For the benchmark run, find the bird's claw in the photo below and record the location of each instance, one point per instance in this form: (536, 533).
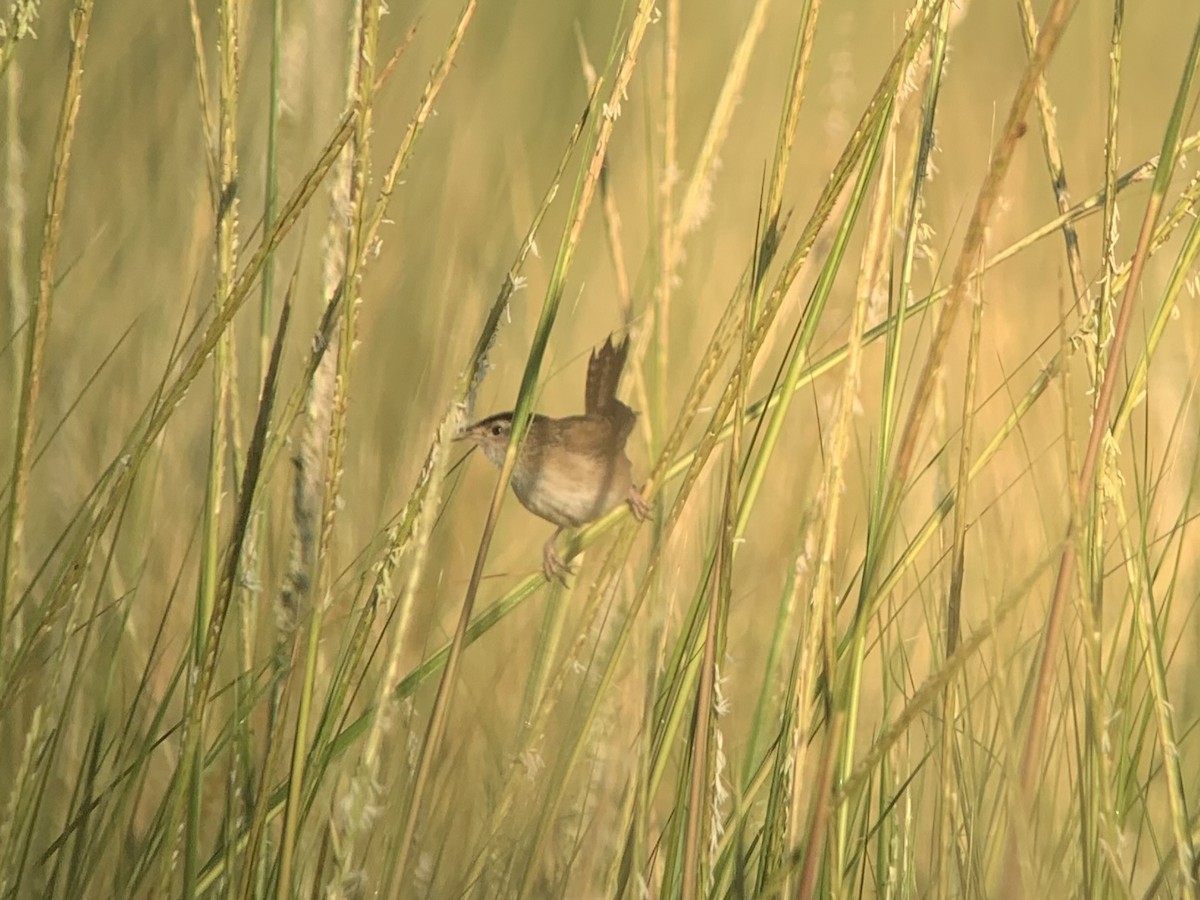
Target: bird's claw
(553, 566)
(638, 505)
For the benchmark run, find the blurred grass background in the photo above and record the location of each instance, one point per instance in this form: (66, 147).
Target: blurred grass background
(136, 260)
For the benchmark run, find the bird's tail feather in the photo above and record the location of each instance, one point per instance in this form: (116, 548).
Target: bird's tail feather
(603, 376)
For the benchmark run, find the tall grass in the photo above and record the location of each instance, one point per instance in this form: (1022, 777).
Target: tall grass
(913, 616)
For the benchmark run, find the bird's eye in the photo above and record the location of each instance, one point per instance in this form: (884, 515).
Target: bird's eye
(497, 430)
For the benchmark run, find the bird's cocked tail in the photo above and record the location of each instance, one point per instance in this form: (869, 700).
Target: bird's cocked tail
(603, 376)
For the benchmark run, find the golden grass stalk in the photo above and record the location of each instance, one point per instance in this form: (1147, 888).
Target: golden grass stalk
(39, 313)
(1100, 432)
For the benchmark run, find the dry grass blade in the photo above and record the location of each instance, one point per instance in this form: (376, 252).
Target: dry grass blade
(31, 380)
(1100, 427)
(970, 257)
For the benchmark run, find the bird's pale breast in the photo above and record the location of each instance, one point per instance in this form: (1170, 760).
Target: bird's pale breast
(574, 488)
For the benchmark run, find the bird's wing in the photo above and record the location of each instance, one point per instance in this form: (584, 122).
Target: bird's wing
(590, 434)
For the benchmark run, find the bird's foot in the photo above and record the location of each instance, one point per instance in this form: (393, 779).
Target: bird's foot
(638, 505)
(553, 566)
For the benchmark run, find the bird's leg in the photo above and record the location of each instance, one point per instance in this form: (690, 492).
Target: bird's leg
(637, 504)
(552, 564)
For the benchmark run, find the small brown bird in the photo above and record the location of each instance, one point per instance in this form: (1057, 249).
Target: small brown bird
(573, 470)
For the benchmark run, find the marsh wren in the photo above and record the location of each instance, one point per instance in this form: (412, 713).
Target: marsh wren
(573, 470)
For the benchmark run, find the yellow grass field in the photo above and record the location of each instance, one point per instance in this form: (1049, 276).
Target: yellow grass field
(911, 289)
